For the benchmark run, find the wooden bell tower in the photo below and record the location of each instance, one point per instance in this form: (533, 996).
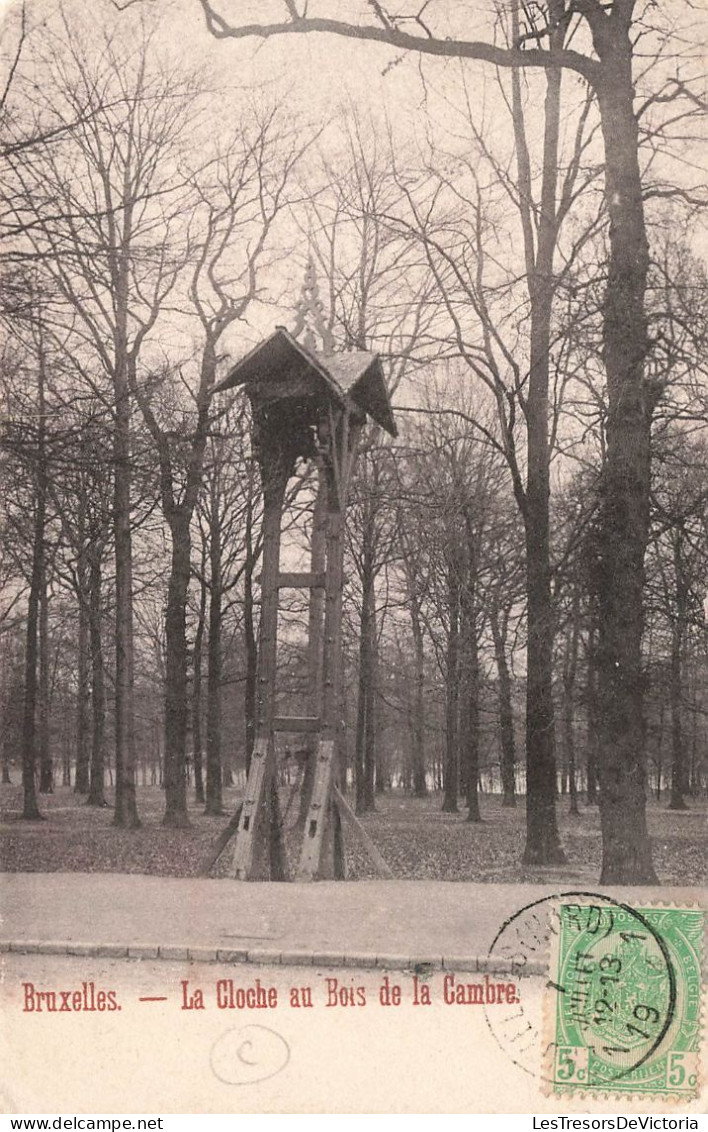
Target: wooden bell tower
(309, 405)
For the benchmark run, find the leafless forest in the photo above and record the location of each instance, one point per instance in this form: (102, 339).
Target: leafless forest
(507, 203)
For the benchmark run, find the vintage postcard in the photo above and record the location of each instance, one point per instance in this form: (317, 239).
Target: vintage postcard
(353, 559)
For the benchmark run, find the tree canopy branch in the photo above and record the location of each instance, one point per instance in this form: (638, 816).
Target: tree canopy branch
(393, 36)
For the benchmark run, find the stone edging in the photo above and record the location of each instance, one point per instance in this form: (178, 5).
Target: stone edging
(262, 956)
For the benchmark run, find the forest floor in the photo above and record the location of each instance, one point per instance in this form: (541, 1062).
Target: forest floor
(417, 840)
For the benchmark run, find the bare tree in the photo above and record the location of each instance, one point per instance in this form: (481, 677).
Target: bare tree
(111, 255)
(410, 527)
(83, 505)
(228, 514)
(237, 201)
(371, 533)
(38, 582)
(678, 570)
(452, 484)
(605, 60)
(376, 296)
(26, 439)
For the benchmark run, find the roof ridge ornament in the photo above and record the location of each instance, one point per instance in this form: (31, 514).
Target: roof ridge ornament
(309, 310)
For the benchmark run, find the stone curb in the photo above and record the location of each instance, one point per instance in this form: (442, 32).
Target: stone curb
(421, 965)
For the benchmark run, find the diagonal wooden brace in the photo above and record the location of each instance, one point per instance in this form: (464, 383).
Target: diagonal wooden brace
(346, 812)
(319, 814)
(252, 859)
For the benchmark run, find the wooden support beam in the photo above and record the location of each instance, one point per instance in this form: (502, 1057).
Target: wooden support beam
(333, 863)
(224, 837)
(287, 421)
(348, 815)
(276, 850)
(317, 813)
(252, 851)
(297, 723)
(301, 580)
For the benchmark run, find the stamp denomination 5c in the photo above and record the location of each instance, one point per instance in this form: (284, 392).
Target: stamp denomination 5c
(625, 1000)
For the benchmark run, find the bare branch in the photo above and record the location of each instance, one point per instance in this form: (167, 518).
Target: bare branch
(18, 52)
(393, 36)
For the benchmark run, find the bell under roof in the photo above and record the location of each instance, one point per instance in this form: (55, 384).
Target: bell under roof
(356, 374)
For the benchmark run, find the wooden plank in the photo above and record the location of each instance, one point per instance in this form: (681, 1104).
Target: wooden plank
(317, 814)
(251, 855)
(218, 848)
(276, 478)
(276, 848)
(315, 623)
(349, 816)
(301, 579)
(333, 865)
(298, 723)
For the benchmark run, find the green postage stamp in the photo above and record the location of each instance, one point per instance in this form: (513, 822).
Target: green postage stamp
(626, 1000)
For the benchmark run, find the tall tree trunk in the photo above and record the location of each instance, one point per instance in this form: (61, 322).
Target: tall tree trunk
(214, 801)
(471, 717)
(197, 746)
(46, 767)
(694, 769)
(678, 754)
(83, 704)
(366, 727)
(570, 749)
(506, 711)
(452, 757)
(83, 696)
(360, 737)
(419, 783)
(542, 840)
(626, 476)
(677, 747)
(178, 505)
(660, 751)
(251, 649)
(30, 810)
(591, 796)
(315, 650)
(126, 808)
(4, 745)
(96, 795)
(4, 737)
(569, 673)
(176, 705)
(417, 718)
(374, 763)
(66, 756)
(678, 630)
(249, 628)
(470, 674)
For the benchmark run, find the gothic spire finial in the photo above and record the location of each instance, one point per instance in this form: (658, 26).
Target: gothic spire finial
(309, 310)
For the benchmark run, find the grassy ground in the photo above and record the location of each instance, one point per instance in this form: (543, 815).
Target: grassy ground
(418, 841)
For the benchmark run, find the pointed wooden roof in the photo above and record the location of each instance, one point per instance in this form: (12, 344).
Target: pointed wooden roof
(357, 375)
